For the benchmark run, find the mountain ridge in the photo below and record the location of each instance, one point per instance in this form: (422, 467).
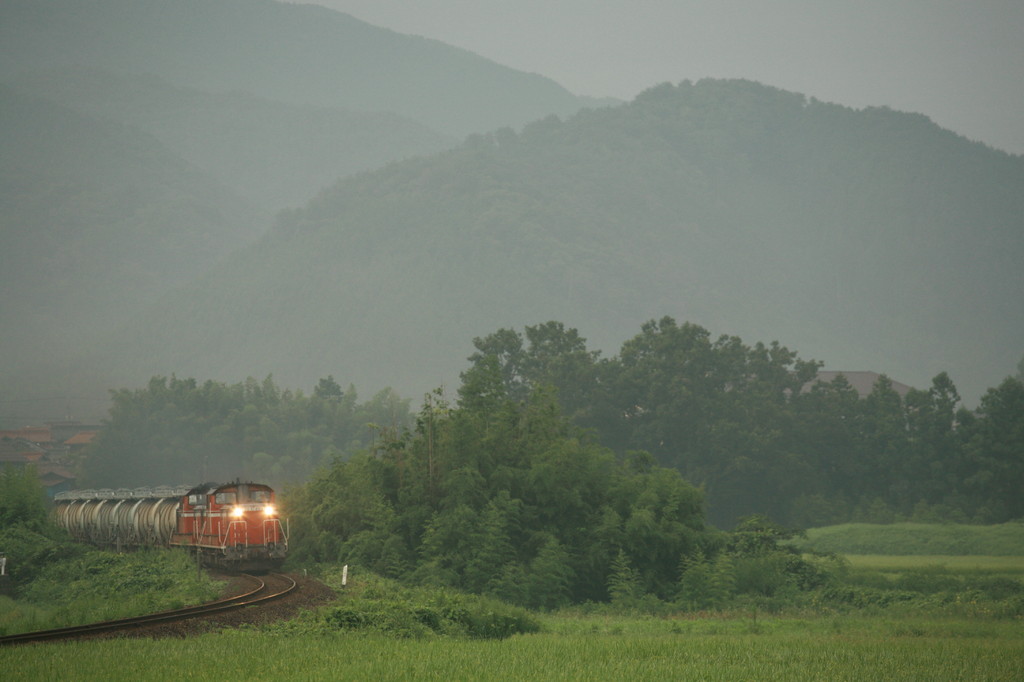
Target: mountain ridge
(740, 207)
(303, 54)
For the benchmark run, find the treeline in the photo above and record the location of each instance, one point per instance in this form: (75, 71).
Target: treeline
(178, 431)
(559, 477)
(505, 497)
(748, 425)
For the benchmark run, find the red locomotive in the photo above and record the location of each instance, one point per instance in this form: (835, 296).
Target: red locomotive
(234, 525)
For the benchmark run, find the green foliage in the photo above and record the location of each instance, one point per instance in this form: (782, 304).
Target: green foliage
(28, 538)
(22, 501)
(29, 551)
(217, 431)
(70, 585)
(97, 577)
(623, 582)
(370, 604)
(750, 427)
(752, 563)
(706, 584)
(502, 497)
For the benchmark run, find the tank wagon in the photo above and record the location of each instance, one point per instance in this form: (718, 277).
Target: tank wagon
(233, 525)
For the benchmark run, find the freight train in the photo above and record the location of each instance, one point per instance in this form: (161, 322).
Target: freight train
(233, 525)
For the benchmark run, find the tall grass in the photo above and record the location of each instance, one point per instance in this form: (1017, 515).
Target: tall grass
(917, 539)
(858, 652)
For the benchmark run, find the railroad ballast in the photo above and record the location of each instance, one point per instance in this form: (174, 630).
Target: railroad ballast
(234, 525)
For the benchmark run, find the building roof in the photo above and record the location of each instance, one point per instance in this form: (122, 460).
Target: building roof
(862, 382)
(81, 438)
(18, 451)
(54, 475)
(36, 434)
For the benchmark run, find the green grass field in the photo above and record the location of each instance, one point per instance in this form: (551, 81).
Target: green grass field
(1005, 539)
(1001, 565)
(695, 649)
(907, 616)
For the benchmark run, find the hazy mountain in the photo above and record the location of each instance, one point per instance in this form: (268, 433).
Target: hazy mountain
(98, 220)
(182, 126)
(870, 239)
(300, 54)
(275, 155)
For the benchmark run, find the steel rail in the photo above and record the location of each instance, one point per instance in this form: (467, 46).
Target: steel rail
(227, 604)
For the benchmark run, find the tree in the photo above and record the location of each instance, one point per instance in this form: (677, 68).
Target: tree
(995, 452)
(22, 501)
(932, 467)
(623, 581)
(502, 496)
(176, 430)
(505, 346)
(328, 388)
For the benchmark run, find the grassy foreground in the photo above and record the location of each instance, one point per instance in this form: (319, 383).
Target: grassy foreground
(917, 617)
(573, 649)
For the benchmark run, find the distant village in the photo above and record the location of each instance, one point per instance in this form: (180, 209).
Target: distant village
(50, 448)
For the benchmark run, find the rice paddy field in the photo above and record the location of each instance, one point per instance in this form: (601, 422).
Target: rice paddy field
(569, 649)
(913, 616)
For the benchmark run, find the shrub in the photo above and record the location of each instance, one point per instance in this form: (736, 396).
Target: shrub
(375, 604)
(30, 551)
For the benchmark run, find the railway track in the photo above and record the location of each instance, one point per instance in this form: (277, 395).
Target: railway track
(261, 593)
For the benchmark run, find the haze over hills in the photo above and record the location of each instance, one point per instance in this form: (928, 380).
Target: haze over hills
(267, 102)
(274, 154)
(301, 54)
(117, 188)
(869, 239)
(144, 140)
(98, 219)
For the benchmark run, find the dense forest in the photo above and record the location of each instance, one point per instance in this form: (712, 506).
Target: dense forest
(178, 431)
(556, 476)
(747, 424)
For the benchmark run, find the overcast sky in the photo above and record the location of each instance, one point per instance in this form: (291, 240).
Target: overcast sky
(959, 62)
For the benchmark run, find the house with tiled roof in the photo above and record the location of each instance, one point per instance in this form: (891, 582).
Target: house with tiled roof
(51, 468)
(69, 428)
(40, 435)
(55, 479)
(80, 440)
(862, 382)
(19, 452)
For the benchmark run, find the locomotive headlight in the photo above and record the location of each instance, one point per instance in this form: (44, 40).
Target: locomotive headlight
(237, 512)
(269, 510)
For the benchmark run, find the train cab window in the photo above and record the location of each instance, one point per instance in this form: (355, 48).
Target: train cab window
(259, 495)
(224, 498)
(197, 500)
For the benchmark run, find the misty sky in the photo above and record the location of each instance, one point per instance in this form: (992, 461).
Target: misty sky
(959, 62)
